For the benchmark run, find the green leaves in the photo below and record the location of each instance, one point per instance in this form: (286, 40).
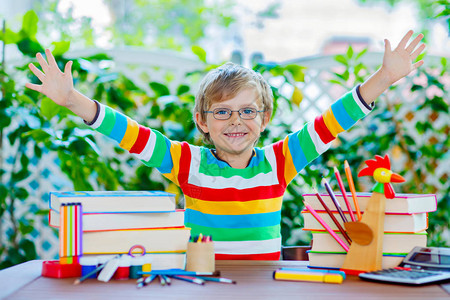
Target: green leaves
(30, 24)
(200, 52)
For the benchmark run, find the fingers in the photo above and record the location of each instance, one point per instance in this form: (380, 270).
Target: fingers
(405, 39)
(42, 62)
(387, 46)
(68, 68)
(417, 64)
(37, 72)
(414, 43)
(51, 59)
(35, 87)
(416, 53)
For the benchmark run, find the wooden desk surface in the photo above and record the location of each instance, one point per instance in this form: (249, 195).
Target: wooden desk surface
(254, 281)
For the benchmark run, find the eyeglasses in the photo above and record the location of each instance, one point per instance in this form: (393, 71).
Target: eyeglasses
(246, 113)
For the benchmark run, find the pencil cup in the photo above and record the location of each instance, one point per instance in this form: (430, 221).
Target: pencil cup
(200, 257)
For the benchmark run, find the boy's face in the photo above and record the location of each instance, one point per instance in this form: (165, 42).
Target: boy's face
(235, 137)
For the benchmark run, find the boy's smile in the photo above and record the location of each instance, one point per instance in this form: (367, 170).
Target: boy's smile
(235, 137)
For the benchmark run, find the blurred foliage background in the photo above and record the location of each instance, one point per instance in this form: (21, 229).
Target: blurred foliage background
(36, 125)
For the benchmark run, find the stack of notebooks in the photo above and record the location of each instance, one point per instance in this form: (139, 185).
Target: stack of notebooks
(114, 221)
(405, 225)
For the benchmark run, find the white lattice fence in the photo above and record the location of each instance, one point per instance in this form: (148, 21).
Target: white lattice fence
(142, 67)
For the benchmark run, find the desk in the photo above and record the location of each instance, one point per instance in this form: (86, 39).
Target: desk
(254, 281)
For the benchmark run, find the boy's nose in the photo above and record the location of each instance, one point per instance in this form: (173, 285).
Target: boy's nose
(235, 117)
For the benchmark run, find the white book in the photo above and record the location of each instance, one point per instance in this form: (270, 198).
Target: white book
(115, 221)
(116, 201)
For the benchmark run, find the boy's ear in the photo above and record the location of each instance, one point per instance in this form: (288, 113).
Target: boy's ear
(266, 120)
(200, 122)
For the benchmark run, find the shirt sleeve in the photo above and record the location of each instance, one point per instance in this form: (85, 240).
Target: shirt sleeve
(149, 145)
(303, 146)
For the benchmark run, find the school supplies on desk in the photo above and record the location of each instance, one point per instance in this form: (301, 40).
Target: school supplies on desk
(404, 219)
(116, 201)
(308, 275)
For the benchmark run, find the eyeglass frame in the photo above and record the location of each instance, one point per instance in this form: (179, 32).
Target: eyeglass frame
(231, 112)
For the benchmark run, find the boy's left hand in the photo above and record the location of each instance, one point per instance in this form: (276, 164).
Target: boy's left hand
(399, 62)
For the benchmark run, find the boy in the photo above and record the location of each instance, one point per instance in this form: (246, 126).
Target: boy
(233, 192)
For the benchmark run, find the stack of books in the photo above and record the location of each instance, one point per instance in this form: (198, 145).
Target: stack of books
(115, 221)
(405, 225)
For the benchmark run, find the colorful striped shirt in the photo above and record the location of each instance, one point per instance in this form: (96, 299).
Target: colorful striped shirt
(239, 208)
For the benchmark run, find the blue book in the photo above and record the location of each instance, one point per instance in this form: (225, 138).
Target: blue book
(116, 201)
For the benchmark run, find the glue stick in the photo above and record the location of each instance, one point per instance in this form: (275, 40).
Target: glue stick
(136, 266)
(123, 271)
(88, 264)
(147, 266)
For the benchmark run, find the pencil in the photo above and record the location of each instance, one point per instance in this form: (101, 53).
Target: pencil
(333, 198)
(167, 279)
(189, 279)
(351, 185)
(215, 279)
(325, 225)
(344, 193)
(333, 218)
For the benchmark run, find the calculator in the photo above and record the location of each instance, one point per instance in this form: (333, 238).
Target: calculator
(421, 266)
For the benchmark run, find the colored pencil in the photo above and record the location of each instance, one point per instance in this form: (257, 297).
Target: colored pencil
(143, 281)
(162, 281)
(351, 184)
(171, 272)
(344, 193)
(167, 279)
(325, 225)
(333, 198)
(215, 279)
(335, 221)
(188, 279)
(62, 239)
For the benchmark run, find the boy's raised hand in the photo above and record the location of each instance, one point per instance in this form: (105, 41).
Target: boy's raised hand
(399, 62)
(56, 85)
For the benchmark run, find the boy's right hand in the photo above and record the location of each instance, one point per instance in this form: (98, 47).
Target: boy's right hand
(56, 85)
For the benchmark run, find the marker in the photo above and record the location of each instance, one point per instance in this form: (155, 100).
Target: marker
(342, 273)
(308, 276)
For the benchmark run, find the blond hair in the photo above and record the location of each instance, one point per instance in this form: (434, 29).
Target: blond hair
(224, 83)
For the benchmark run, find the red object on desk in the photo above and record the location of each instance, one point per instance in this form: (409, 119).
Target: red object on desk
(53, 269)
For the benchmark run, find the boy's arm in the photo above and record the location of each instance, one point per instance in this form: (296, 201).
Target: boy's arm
(58, 86)
(397, 64)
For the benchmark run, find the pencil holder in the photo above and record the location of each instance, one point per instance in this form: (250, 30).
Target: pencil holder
(200, 257)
